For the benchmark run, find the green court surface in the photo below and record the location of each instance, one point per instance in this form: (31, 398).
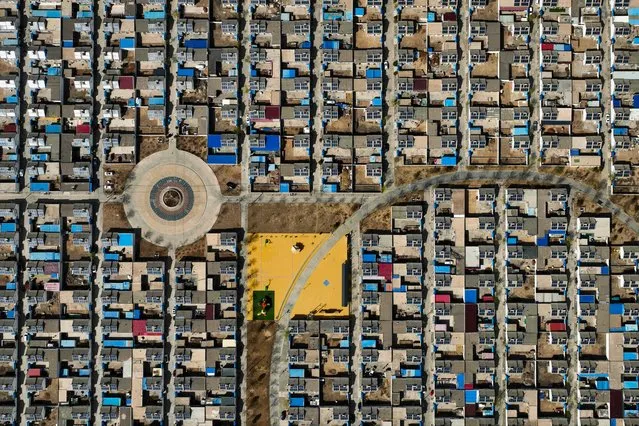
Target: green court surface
(263, 305)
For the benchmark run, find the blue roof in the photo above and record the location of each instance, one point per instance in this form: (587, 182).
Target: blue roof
(470, 295)
(127, 43)
(329, 187)
(449, 160)
(442, 269)
(8, 227)
(126, 239)
(154, 14)
(373, 73)
(330, 44)
(369, 257)
(520, 130)
(196, 43)
(222, 159)
(272, 143)
(214, 141)
(296, 372)
(289, 73)
(186, 72)
(297, 401)
(39, 186)
(587, 298)
(616, 309)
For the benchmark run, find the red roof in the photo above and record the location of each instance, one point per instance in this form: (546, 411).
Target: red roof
(272, 112)
(139, 328)
(210, 312)
(420, 84)
(126, 82)
(471, 318)
(11, 127)
(471, 410)
(386, 271)
(83, 128)
(547, 46)
(34, 372)
(450, 16)
(556, 326)
(442, 298)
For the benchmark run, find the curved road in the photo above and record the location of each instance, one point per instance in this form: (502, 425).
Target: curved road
(530, 177)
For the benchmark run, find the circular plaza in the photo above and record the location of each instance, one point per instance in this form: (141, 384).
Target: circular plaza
(174, 198)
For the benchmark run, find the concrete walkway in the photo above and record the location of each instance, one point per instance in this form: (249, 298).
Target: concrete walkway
(207, 199)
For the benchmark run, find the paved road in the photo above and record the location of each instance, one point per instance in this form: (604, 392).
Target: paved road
(172, 45)
(22, 365)
(429, 303)
(606, 93)
(243, 320)
(573, 322)
(317, 79)
(23, 315)
(170, 343)
(279, 356)
(500, 300)
(244, 82)
(536, 85)
(390, 95)
(463, 79)
(356, 323)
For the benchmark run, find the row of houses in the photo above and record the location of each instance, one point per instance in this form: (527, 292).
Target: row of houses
(207, 333)
(10, 247)
(58, 121)
(427, 83)
(133, 86)
(572, 56)
(625, 95)
(279, 122)
(132, 358)
(57, 331)
(10, 94)
(500, 67)
(207, 77)
(351, 78)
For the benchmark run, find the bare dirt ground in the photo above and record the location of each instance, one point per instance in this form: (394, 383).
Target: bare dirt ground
(408, 174)
(196, 145)
(148, 250)
(630, 203)
(113, 217)
(196, 250)
(226, 175)
(229, 217)
(620, 233)
(151, 144)
(119, 178)
(380, 220)
(284, 218)
(589, 175)
(260, 346)
(588, 206)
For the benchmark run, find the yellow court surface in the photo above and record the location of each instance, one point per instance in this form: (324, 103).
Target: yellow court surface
(275, 260)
